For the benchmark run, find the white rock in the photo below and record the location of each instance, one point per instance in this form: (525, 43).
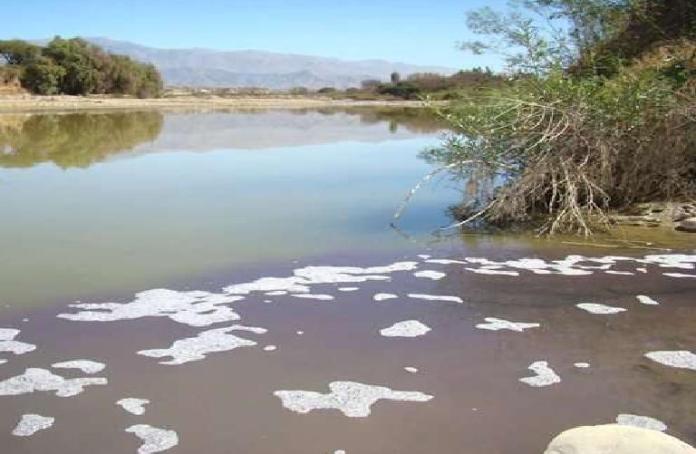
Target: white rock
(644, 422)
(407, 328)
(133, 405)
(616, 439)
(446, 298)
(600, 309)
(30, 424)
(85, 365)
(681, 359)
(34, 379)
(351, 398)
(154, 439)
(545, 376)
(430, 274)
(384, 296)
(495, 324)
(196, 348)
(642, 299)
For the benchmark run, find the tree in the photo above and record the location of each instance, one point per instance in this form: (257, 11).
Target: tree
(395, 77)
(17, 52)
(43, 77)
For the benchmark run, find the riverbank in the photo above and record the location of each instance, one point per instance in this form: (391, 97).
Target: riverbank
(34, 103)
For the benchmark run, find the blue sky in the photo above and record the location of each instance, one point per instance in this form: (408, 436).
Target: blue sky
(412, 31)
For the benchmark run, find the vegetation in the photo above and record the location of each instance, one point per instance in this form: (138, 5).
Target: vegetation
(600, 113)
(75, 67)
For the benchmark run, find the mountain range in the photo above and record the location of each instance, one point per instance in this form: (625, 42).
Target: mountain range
(198, 67)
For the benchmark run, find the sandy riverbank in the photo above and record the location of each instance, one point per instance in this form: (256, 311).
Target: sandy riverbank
(32, 103)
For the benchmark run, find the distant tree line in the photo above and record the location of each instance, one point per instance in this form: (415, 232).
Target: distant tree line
(420, 84)
(76, 67)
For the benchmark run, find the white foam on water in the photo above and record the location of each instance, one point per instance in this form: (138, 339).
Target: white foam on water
(312, 296)
(619, 273)
(424, 256)
(430, 274)
(681, 359)
(276, 293)
(384, 296)
(35, 379)
(491, 271)
(194, 308)
(599, 309)
(197, 348)
(411, 369)
(496, 324)
(353, 399)
(581, 365)
(642, 270)
(31, 423)
(154, 439)
(447, 262)
(348, 289)
(270, 348)
(545, 376)
(299, 333)
(133, 405)
(269, 285)
(445, 298)
(8, 344)
(407, 328)
(339, 451)
(85, 365)
(3, 361)
(679, 275)
(643, 299)
(643, 422)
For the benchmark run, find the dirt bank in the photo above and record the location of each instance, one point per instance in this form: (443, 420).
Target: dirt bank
(33, 103)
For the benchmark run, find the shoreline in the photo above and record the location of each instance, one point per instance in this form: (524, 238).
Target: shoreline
(65, 103)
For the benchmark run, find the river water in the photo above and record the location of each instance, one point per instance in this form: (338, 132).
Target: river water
(238, 271)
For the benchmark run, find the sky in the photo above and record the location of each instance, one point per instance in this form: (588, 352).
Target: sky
(411, 31)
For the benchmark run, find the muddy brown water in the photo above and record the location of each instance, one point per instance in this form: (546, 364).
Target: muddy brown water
(225, 403)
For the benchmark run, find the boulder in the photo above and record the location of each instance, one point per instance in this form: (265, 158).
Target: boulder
(616, 439)
(687, 225)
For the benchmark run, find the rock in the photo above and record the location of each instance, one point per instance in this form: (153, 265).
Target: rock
(616, 439)
(687, 225)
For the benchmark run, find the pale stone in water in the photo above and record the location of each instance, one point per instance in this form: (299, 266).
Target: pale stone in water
(35, 379)
(384, 296)
(642, 299)
(196, 348)
(616, 439)
(681, 359)
(495, 324)
(8, 344)
(154, 439)
(644, 422)
(446, 298)
(600, 309)
(133, 405)
(30, 424)
(407, 328)
(85, 365)
(351, 398)
(430, 274)
(545, 376)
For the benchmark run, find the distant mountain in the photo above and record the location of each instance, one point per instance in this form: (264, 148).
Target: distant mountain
(252, 68)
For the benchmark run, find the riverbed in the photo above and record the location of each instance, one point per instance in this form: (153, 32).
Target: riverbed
(234, 277)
